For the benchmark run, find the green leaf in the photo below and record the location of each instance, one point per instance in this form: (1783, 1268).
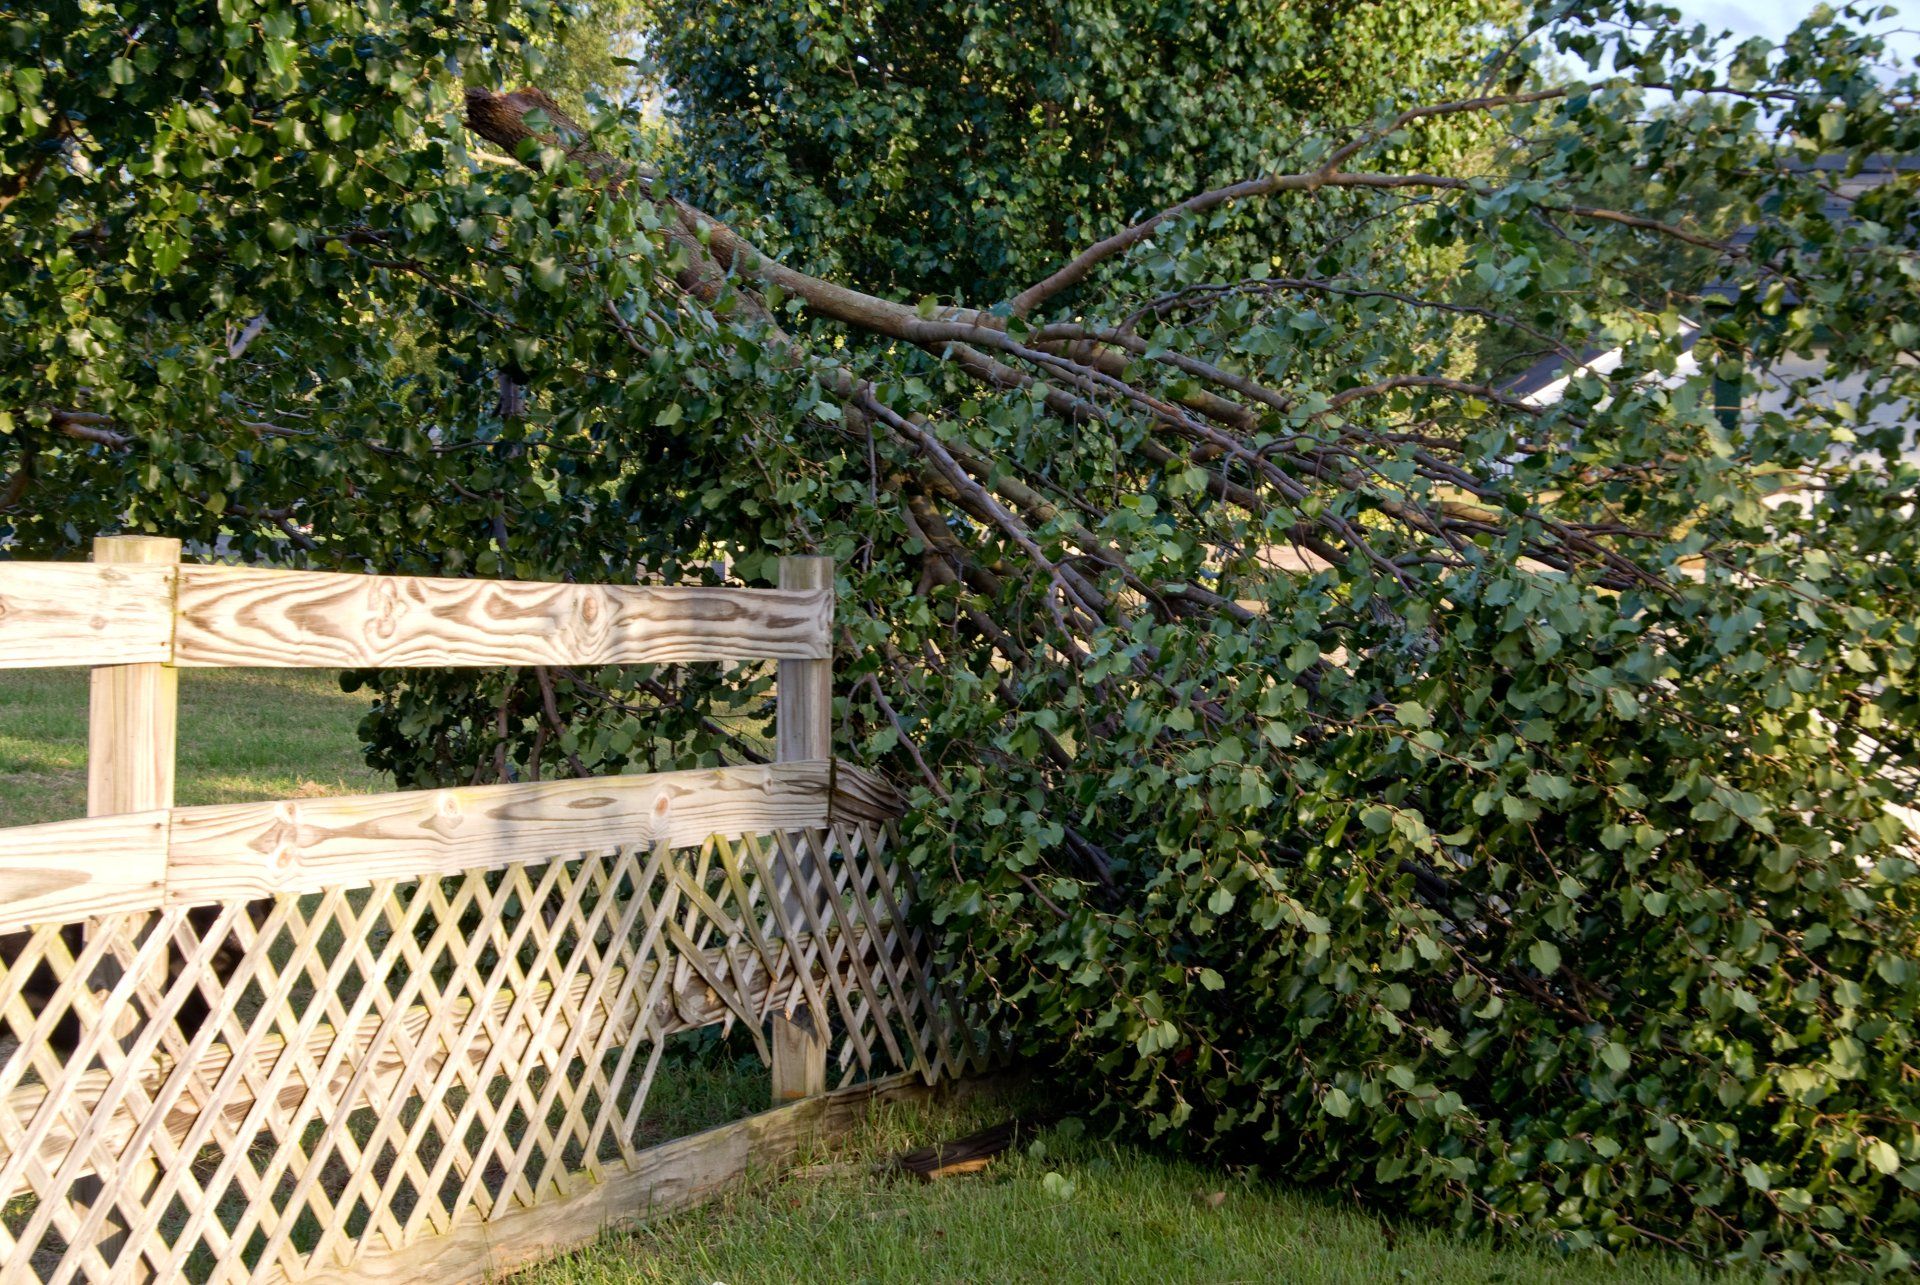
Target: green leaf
(1549, 786)
(1544, 955)
(549, 275)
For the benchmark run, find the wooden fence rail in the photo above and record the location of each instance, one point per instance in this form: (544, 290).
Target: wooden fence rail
(200, 855)
(201, 617)
(414, 1034)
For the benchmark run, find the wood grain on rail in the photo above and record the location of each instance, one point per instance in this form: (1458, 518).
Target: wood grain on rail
(246, 616)
(260, 849)
(77, 613)
(860, 795)
(66, 871)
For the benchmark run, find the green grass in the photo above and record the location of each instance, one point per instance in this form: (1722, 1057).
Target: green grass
(244, 735)
(1114, 1214)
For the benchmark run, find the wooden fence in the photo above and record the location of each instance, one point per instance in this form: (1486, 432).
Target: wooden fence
(413, 1034)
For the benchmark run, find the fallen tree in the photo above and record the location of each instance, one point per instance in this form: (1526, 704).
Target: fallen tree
(1339, 761)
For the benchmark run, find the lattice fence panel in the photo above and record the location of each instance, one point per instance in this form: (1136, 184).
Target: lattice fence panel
(271, 1089)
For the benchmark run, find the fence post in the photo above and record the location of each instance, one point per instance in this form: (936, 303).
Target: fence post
(803, 729)
(133, 711)
(132, 719)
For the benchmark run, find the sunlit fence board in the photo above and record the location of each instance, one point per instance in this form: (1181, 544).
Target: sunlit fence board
(257, 617)
(58, 614)
(75, 613)
(68, 870)
(258, 849)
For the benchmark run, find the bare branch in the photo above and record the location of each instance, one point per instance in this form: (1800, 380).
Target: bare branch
(89, 427)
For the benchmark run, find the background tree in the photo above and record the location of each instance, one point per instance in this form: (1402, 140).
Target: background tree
(1329, 760)
(956, 148)
(596, 54)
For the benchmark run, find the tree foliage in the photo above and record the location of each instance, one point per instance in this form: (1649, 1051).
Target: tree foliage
(1326, 757)
(955, 148)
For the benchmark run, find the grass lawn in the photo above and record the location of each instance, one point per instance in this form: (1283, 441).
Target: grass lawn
(1112, 1213)
(244, 735)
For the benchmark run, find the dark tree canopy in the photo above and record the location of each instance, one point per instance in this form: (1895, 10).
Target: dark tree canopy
(1497, 807)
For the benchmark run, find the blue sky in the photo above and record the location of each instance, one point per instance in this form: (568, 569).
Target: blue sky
(1775, 18)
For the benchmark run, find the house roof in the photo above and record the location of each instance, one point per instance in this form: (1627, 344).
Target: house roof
(1847, 185)
(1544, 382)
